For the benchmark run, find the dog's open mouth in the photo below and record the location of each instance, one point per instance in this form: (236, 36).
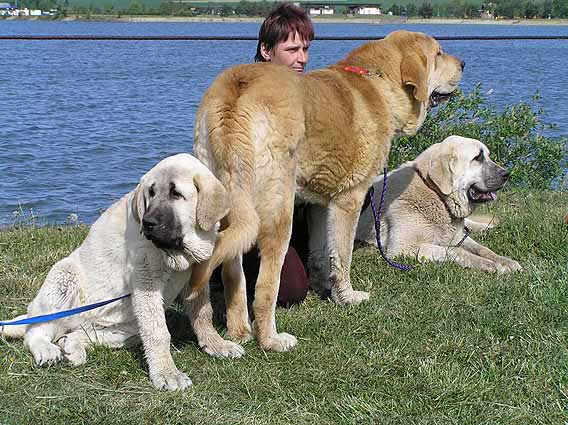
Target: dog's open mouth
(480, 196)
(437, 98)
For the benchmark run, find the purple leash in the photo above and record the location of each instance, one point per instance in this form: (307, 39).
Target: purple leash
(377, 215)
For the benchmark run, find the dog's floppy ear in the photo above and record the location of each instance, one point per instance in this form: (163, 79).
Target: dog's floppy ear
(414, 72)
(440, 172)
(138, 203)
(212, 200)
(442, 166)
(434, 164)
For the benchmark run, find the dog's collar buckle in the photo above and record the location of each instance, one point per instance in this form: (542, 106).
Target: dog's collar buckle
(362, 71)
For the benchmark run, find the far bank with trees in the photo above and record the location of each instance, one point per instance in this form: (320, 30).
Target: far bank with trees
(461, 9)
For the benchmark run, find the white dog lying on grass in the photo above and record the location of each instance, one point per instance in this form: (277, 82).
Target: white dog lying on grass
(428, 202)
(145, 245)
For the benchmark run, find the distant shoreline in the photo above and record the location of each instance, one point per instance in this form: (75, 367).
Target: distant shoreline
(378, 20)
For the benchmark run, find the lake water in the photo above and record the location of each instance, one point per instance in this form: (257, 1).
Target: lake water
(81, 121)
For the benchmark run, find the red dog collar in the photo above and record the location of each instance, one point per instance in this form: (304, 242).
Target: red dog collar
(361, 71)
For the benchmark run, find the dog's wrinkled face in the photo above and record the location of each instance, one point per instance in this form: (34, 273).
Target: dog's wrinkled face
(169, 204)
(430, 74)
(462, 172)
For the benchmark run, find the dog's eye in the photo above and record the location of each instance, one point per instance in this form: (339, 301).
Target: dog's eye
(151, 192)
(479, 157)
(175, 194)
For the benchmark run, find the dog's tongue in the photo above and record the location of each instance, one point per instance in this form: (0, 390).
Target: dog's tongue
(488, 196)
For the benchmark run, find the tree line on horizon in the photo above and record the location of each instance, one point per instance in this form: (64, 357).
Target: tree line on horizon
(500, 9)
(509, 9)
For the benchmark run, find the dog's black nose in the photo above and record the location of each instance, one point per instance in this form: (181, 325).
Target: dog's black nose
(462, 64)
(149, 224)
(506, 174)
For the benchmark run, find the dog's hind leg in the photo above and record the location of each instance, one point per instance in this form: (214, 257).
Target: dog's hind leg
(16, 331)
(60, 291)
(74, 345)
(238, 324)
(274, 236)
(342, 224)
(197, 306)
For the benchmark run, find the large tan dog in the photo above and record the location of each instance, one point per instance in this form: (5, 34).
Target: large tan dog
(428, 202)
(268, 133)
(145, 244)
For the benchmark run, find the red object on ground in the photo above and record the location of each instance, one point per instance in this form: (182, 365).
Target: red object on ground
(293, 280)
(293, 277)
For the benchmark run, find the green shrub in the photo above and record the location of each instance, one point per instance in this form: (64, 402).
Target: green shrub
(515, 137)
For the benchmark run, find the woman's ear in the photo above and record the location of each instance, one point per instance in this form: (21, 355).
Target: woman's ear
(265, 52)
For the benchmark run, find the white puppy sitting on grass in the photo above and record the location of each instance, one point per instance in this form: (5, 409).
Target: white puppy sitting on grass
(145, 244)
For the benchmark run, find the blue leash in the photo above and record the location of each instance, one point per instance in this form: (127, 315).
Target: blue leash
(61, 314)
(377, 215)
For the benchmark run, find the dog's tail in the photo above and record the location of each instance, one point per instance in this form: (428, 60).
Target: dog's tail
(241, 232)
(14, 332)
(226, 127)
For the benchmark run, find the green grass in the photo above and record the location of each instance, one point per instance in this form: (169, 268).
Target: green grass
(434, 345)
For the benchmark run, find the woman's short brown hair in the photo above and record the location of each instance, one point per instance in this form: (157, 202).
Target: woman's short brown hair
(284, 19)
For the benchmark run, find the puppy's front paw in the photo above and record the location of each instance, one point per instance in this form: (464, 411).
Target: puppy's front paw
(73, 351)
(46, 354)
(170, 380)
(76, 357)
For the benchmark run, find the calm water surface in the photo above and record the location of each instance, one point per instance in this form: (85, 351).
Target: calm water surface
(83, 120)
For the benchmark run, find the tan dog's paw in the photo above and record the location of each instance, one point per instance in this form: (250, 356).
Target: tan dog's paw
(241, 335)
(224, 348)
(505, 265)
(511, 265)
(349, 297)
(279, 342)
(495, 267)
(170, 380)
